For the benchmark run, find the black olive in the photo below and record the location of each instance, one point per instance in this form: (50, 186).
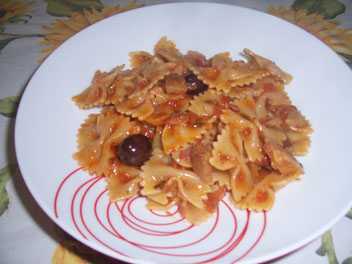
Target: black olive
(134, 150)
(194, 85)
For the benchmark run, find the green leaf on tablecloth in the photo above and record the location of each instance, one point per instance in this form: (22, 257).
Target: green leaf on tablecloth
(4, 201)
(66, 7)
(95, 4)
(327, 248)
(8, 106)
(57, 8)
(304, 4)
(349, 214)
(4, 42)
(327, 8)
(5, 174)
(20, 19)
(347, 261)
(331, 9)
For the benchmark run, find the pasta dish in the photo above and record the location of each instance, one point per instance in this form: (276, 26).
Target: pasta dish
(183, 129)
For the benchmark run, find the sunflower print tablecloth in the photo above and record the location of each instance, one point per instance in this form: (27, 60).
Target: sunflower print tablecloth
(31, 30)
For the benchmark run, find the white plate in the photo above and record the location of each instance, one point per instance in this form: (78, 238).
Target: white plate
(47, 124)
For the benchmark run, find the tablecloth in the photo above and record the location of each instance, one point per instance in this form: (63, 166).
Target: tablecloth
(30, 30)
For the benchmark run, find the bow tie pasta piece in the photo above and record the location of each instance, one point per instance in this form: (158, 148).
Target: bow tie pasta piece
(212, 103)
(152, 180)
(268, 65)
(196, 59)
(221, 73)
(153, 106)
(274, 109)
(164, 111)
(192, 189)
(183, 129)
(282, 123)
(196, 156)
(175, 84)
(259, 199)
(282, 160)
(196, 215)
(294, 120)
(138, 58)
(200, 155)
(136, 107)
(114, 86)
(97, 139)
(125, 85)
(221, 178)
(154, 174)
(154, 71)
(182, 156)
(159, 198)
(274, 135)
(246, 106)
(205, 104)
(269, 83)
(160, 202)
(98, 93)
(241, 181)
(193, 214)
(159, 178)
(298, 143)
(247, 93)
(262, 196)
(123, 184)
(259, 171)
(225, 154)
(248, 132)
(241, 92)
(221, 61)
(89, 148)
(241, 73)
(139, 80)
(294, 142)
(166, 49)
(267, 108)
(214, 197)
(204, 71)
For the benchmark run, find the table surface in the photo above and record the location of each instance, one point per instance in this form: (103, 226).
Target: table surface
(27, 234)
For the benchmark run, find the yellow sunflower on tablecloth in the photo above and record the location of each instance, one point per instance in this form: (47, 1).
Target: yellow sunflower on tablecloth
(70, 251)
(329, 31)
(61, 29)
(63, 255)
(11, 9)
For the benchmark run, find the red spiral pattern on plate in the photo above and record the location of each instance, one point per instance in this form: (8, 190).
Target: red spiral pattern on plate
(169, 224)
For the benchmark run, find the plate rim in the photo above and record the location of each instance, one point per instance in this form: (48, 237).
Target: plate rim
(291, 248)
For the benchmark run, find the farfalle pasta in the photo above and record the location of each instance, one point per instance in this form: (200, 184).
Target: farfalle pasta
(222, 73)
(184, 130)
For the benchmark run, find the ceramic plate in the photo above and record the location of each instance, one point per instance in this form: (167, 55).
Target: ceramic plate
(47, 124)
